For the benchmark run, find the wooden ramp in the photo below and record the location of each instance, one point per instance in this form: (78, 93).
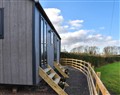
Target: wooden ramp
(61, 69)
(53, 79)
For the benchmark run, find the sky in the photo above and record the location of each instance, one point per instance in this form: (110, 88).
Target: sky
(85, 22)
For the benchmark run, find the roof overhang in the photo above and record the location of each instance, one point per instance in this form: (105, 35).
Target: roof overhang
(38, 5)
(36, 0)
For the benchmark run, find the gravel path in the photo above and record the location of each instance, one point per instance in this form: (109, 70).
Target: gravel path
(78, 83)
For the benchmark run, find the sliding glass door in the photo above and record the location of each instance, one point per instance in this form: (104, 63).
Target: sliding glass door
(43, 41)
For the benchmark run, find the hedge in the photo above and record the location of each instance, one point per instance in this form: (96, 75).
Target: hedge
(95, 60)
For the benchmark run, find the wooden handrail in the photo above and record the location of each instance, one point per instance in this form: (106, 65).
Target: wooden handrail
(92, 78)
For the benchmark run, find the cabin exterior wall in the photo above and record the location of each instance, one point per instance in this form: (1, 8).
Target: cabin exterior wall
(16, 46)
(21, 48)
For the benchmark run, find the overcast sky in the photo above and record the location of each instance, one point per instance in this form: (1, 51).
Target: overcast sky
(85, 22)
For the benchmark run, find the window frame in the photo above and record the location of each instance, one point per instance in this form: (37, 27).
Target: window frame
(2, 21)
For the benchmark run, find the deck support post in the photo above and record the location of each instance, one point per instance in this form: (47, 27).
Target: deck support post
(97, 88)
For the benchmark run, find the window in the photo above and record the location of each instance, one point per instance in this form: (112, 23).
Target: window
(55, 48)
(45, 32)
(42, 43)
(1, 23)
(45, 43)
(51, 37)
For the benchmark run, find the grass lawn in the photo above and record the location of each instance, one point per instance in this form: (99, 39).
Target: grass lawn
(110, 76)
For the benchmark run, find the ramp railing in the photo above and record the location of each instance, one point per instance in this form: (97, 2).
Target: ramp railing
(96, 87)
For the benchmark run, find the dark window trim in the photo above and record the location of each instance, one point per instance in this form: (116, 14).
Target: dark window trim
(40, 39)
(33, 48)
(2, 36)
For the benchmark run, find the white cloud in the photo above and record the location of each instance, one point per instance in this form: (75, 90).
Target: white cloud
(66, 26)
(78, 36)
(56, 18)
(55, 15)
(75, 24)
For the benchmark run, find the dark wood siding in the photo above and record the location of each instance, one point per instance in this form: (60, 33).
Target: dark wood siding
(37, 46)
(1, 53)
(16, 47)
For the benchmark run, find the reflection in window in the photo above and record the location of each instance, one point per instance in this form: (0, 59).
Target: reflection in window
(45, 43)
(51, 37)
(55, 48)
(45, 32)
(42, 47)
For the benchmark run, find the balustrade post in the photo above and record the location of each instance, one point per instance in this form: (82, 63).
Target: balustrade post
(97, 88)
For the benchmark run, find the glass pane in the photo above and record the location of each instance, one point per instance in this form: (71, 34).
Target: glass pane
(45, 43)
(51, 34)
(45, 33)
(55, 48)
(45, 53)
(42, 31)
(42, 47)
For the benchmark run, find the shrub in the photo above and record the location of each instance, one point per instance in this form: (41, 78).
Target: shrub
(95, 60)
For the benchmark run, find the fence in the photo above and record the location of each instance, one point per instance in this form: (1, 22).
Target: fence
(96, 87)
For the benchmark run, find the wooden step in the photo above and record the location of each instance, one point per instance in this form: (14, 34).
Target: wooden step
(52, 79)
(60, 69)
(57, 80)
(63, 69)
(52, 75)
(66, 84)
(47, 70)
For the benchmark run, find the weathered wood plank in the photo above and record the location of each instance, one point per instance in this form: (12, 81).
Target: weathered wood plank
(22, 41)
(16, 47)
(6, 44)
(29, 13)
(97, 88)
(1, 52)
(14, 41)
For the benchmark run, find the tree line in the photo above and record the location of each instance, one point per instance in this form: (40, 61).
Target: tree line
(94, 50)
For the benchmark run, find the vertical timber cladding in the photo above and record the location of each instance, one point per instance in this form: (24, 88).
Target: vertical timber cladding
(1, 52)
(37, 45)
(16, 47)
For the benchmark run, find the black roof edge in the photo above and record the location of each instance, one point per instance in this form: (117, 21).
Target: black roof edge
(38, 5)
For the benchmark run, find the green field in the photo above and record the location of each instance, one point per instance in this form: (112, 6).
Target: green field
(110, 76)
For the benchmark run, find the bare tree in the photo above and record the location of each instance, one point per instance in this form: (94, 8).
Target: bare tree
(111, 50)
(93, 50)
(86, 49)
